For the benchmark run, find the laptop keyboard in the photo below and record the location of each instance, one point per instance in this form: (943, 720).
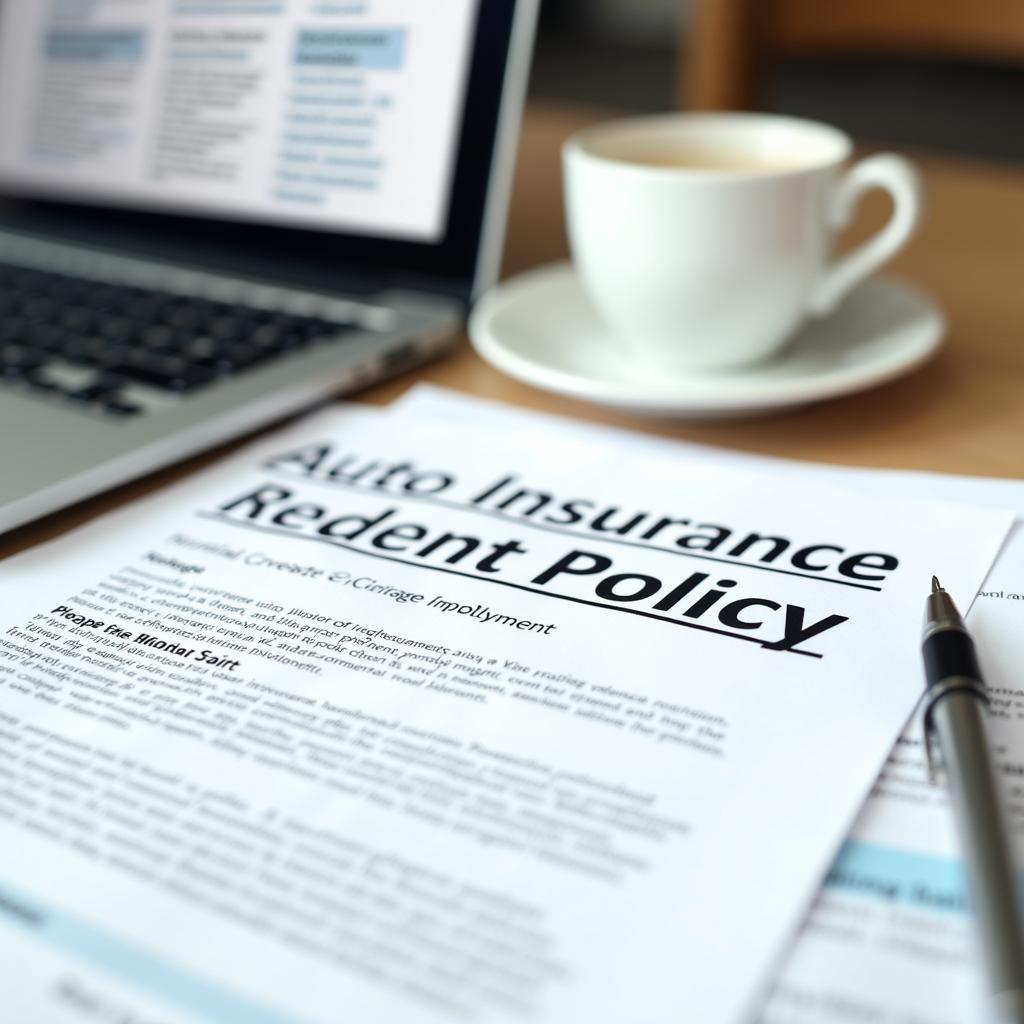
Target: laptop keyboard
(94, 344)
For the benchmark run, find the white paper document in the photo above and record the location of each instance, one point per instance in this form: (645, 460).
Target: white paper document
(889, 938)
(381, 720)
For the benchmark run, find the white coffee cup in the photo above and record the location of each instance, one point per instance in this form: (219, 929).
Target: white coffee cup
(704, 240)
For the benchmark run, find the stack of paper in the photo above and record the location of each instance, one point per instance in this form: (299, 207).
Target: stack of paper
(445, 713)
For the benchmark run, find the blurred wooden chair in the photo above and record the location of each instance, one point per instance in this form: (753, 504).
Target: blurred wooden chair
(727, 44)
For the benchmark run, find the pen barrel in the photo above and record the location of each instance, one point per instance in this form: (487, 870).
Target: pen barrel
(948, 653)
(959, 721)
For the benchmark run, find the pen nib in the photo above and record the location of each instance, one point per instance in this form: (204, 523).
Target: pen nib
(936, 585)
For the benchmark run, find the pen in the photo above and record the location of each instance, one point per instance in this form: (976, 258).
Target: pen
(955, 706)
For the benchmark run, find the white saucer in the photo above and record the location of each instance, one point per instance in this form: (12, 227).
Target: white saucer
(541, 328)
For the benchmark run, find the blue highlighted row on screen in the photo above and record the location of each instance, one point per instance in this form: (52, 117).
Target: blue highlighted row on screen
(95, 44)
(93, 945)
(371, 48)
(201, 9)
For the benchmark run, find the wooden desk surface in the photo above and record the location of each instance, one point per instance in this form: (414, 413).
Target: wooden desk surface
(963, 413)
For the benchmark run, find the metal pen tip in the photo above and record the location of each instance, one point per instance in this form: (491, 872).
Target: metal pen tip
(936, 585)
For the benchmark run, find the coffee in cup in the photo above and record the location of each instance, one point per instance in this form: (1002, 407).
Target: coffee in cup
(704, 240)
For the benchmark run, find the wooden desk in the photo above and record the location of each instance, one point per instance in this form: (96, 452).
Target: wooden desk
(963, 413)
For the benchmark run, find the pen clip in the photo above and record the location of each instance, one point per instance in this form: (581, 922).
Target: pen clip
(931, 697)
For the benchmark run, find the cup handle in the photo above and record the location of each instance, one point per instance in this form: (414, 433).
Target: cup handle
(900, 179)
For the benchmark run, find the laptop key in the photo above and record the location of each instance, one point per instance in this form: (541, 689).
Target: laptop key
(117, 328)
(13, 329)
(85, 350)
(190, 317)
(121, 408)
(268, 338)
(159, 338)
(101, 391)
(44, 338)
(226, 328)
(200, 348)
(39, 309)
(78, 318)
(170, 373)
(18, 361)
(237, 356)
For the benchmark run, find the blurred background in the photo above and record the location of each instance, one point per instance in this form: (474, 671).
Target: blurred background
(940, 74)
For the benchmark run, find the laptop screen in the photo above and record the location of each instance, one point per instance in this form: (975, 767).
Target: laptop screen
(336, 115)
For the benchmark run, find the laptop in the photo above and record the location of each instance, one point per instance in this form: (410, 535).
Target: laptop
(215, 213)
